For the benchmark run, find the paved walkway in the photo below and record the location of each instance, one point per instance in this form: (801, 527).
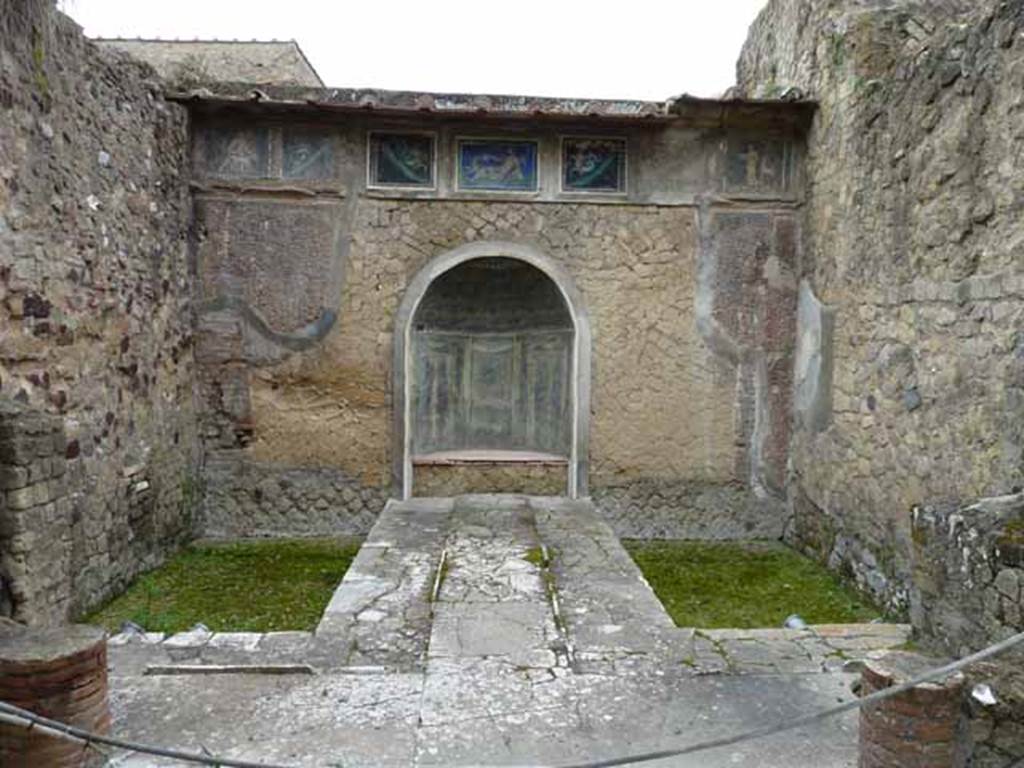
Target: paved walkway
(492, 630)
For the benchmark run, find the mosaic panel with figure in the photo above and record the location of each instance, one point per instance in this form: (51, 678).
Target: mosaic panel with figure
(497, 164)
(593, 165)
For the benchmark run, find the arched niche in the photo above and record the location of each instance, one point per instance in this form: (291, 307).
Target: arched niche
(492, 357)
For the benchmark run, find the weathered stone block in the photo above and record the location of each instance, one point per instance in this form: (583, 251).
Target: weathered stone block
(29, 496)
(13, 477)
(1008, 582)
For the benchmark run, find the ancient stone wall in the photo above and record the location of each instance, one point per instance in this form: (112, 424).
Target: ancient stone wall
(96, 358)
(534, 479)
(967, 592)
(911, 259)
(691, 306)
(909, 411)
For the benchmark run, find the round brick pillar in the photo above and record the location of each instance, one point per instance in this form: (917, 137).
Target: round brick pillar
(59, 673)
(924, 727)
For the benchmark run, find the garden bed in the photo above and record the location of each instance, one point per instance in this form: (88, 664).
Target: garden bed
(744, 585)
(243, 586)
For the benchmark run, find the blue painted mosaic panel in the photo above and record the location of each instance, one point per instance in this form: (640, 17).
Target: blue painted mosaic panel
(402, 160)
(497, 165)
(594, 165)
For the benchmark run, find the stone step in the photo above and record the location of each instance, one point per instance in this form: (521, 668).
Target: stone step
(380, 614)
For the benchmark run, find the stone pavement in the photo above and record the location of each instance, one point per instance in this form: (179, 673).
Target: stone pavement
(491, 630)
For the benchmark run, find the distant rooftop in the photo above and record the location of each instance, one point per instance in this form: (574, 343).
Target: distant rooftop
(260, 62)
(258, 76)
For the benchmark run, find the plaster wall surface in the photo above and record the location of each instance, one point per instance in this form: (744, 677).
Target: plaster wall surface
(302, 280)
(99, 448)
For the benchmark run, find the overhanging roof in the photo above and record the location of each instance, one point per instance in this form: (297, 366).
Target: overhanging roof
(243, 98)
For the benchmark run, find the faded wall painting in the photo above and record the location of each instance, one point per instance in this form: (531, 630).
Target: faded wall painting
(593, 165)
(757, 165)
(492, 352)
(497, 164)
(492, 391)
(307, 155)
(238, 153)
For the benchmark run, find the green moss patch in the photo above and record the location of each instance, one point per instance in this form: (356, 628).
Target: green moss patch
(744, 585)
(246, 586)
(535, 556)
(1013, 533)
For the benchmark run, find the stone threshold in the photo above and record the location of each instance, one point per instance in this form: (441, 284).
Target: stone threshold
(489, 457)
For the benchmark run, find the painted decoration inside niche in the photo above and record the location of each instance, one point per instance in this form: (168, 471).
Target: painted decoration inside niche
(402, 160)
(497, 164)
(593, 165)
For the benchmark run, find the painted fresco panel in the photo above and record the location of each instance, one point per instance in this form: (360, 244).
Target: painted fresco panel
(307, 155)
(546, 397)
(402, 160)
(593, 164)
(491, 391)
(497, 164)
(757, 165)
(242, 153)
(282, 259)
(439, 408)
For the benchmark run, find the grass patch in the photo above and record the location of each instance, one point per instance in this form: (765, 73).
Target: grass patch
(246, 586)
(744, 585)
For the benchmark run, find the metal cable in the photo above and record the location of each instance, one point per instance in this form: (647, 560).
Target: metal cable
(934, 674)
(17, 716)
(29, 720)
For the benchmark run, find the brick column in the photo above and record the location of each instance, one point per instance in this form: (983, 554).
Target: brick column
(35, 517)
(59, 673)
(924, 727)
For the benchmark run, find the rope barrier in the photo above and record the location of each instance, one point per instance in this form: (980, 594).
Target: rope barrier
(20, 717)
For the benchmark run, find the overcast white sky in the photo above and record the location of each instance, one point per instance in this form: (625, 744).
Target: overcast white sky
(640, 49)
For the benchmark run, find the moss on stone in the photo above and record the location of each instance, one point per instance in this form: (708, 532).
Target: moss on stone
(837, 45)
(535, 555)
(910, 646)
(439, 577)
(1013, 533)
(744, 584)
(250, 586)
(919, 536)
(38, 62)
